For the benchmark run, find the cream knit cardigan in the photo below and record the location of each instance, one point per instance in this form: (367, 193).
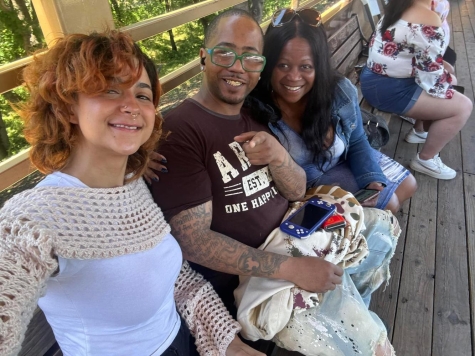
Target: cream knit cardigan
(40, 224)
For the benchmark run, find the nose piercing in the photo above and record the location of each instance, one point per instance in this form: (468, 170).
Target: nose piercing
(125, 106)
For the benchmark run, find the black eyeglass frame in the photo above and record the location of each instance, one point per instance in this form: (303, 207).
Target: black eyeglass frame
(318, 17)
(210, 51)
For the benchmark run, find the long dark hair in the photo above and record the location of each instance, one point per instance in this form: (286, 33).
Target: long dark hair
(393, 12)
(316, 119)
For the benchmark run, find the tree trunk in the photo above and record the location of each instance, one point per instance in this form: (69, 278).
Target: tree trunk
(172, 40)
(24, 10)
(12, 97)
(170, 32)
(255, 9)
(4, 142)
(31, 26)
(204, 20)
(116, 8)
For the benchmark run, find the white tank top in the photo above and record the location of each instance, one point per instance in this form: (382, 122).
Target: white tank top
(118, 306)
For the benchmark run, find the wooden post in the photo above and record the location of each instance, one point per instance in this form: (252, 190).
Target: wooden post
(60, 17)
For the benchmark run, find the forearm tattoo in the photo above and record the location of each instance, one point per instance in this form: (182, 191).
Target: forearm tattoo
(290, 179)
(201, 245)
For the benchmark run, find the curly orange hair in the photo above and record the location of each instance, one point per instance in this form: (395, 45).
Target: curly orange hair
(85, 64)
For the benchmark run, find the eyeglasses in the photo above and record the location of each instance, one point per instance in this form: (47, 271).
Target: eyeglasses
(225, 57)
(309, 16)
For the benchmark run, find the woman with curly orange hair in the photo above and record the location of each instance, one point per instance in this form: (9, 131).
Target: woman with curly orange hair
(88, 244)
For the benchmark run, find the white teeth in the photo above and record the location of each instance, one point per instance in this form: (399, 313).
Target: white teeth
(292, 88)
(126, 127)
(233, 83)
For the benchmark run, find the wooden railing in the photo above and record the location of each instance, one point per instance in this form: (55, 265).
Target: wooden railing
(59, 17)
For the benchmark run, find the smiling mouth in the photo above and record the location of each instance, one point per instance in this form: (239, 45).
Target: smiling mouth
(233, 82)
(125, 127)
(292, 88)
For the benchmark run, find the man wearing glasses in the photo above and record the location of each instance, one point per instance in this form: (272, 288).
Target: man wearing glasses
(229, 180)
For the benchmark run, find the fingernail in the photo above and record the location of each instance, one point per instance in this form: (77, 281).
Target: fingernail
(164, 160)
(164, 170)
(155, 179)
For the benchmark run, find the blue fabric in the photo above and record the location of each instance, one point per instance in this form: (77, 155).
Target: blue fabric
(346, 116)
(342, 176)
(395, 95)
(382, 232)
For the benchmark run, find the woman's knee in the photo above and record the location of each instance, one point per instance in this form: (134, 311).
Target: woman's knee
(407, 188)
(404, 191)
(393, 204)
(466, 108)
(454, 111)
(463, 107)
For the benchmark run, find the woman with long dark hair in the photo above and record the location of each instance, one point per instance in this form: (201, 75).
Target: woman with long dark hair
(315, 114)
(405, 75)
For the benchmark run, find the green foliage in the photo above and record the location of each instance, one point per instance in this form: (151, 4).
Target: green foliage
(13, 123)
(188, 39)
(15, 133)
(20, 31)
(271, 6)
(21, 35)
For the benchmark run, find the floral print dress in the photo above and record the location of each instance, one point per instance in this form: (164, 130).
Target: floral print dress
(442, 8)
(412, 50)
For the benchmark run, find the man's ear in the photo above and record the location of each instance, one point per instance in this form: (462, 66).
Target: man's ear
(203, 54)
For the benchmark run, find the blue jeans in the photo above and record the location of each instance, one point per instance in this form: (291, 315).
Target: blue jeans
(183, 344)
(382, 232)
(396, 95)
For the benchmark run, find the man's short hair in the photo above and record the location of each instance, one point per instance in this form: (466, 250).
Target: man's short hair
(212, 27)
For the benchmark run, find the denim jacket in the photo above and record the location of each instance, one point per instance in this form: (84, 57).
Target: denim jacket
(346, 117)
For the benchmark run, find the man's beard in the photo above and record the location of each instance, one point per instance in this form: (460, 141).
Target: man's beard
(230, 100)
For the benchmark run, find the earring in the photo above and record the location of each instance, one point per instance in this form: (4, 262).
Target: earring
(259, 78)
(202, 68)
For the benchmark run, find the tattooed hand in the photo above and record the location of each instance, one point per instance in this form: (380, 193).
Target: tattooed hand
(312, 274)
(219, 252)
(262, 148)
(201, 245)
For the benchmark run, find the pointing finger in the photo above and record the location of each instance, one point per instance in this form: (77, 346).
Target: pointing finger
(245, 136)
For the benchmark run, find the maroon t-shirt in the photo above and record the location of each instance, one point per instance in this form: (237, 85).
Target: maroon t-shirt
(204, 164)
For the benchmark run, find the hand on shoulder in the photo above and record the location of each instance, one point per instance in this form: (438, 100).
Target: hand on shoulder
(421, 13)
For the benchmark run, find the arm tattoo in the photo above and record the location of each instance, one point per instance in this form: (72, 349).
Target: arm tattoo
(201, 245)
(290, 179)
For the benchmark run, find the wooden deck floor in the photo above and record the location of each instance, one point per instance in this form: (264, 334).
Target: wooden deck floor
(429, 303)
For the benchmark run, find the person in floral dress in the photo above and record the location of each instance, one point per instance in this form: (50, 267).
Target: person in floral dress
(442, 8)
(405, 75)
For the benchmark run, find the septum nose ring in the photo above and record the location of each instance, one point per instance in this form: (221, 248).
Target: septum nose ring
(133, 115)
